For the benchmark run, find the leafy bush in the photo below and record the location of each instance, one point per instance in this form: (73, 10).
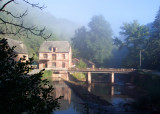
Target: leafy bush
(20, 92)
(47, 73)
(81, 64)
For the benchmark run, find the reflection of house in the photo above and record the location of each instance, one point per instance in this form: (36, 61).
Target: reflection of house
(61, 89)
(55, 54)
(20, 50)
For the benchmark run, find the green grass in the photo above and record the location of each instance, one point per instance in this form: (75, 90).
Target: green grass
(79, 76)
(47, 73)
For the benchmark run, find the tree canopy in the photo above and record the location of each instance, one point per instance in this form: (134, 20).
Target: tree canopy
(153, 44)
(94, 44)
(135, 40)
(141, 41)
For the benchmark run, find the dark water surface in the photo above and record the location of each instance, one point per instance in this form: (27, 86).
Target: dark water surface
(71, 104)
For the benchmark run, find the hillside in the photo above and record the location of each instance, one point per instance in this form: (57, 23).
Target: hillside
(61, 29)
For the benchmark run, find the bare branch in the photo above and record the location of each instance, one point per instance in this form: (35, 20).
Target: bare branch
(18, 28)
(14, 16)
(35, 5)
(5, 5)
(21, 28)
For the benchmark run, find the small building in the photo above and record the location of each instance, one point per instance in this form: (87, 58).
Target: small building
(89, 64)
(55, 55)
(75, 61)
(20, 50)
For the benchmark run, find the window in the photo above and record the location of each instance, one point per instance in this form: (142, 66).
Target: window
(45, 55)
(63, 56)
(63, 65)
(54, 64)
(53, 56)
(46, 65)
(54, 49)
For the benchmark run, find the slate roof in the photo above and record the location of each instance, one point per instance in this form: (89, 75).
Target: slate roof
(20, 46)
(62, 46)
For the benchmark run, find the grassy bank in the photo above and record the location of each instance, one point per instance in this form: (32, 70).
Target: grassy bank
(78, 76)
(47, 73)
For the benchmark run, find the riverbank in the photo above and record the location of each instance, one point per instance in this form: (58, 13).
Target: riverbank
(145, 89)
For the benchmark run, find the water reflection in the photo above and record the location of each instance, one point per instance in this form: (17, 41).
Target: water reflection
(71, 104)
(112, 91)
(108, 92)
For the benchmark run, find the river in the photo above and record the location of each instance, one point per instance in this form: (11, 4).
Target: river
(72, 104)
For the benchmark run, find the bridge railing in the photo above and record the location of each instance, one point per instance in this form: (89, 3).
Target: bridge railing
(92, 69)
(102, 69)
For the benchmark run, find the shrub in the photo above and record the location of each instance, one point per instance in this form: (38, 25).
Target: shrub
(19, 92)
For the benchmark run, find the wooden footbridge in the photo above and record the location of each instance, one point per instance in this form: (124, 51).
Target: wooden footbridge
(111, 71)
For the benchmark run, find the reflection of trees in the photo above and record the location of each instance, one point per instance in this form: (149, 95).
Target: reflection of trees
(107, 92)
(100, 89)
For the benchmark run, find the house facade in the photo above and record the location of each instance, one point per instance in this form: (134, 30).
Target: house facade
(55, 55)
(20, 49)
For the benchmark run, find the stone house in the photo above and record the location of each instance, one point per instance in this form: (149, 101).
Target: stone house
(20, 50)
(55, 55)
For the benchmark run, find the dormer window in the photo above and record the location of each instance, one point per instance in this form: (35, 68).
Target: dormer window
(45, 55)
(54, 49)
(21, 44)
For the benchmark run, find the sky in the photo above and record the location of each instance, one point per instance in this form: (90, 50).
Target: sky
(116, 12)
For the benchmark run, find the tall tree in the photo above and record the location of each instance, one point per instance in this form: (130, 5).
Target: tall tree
(135, 40)
(153, 45)
(95, 44)
(79, 41)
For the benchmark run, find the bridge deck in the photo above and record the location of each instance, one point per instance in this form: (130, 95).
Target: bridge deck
(101, 70)
(95, 70)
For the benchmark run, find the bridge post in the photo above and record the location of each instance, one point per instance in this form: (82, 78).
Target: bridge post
(112, 77)
(89, 88)
(112, 91)
(68, 76)
(89, 77)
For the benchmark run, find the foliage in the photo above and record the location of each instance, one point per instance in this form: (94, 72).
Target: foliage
(135, 41)
(153, 45)
(20, 92)
(47, 73)
(81, 64)
(144, 39)
(79, 76)
(96, 43)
